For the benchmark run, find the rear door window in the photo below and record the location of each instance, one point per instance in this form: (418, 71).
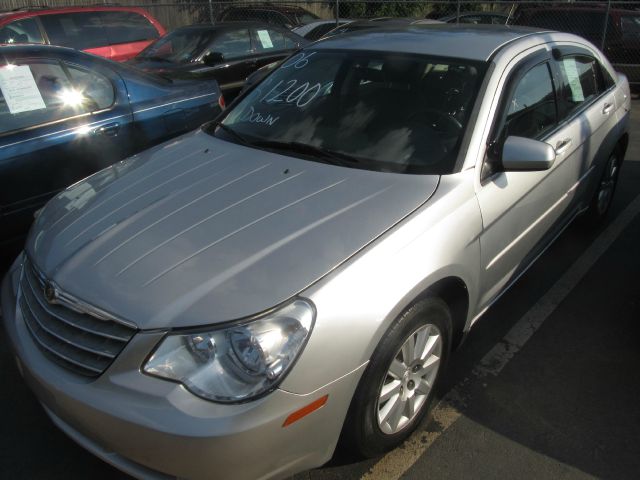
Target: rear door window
(127, 27)
(581, 82)
(268, 39)
(21, 31)
(233, 43)
(76, 30)
(39, 92)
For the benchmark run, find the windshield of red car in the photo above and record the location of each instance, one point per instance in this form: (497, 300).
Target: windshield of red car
(387, 111)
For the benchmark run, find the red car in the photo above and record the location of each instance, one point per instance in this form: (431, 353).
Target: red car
(117, 33)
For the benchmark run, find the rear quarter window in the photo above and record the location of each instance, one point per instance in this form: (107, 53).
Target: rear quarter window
(127, 27)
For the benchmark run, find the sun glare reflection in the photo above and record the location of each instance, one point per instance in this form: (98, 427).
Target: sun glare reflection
(71, 97)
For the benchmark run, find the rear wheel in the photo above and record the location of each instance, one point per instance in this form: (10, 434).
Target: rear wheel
(603, 197)
(396, 389)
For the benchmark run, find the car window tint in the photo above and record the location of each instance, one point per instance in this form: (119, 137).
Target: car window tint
(394, 112)
(21, 31)
(76, 30)
(97, 91)
(232, 43)
(531, 110)
(125, 27)
(53, 97)
(580, 81)
(267, 39)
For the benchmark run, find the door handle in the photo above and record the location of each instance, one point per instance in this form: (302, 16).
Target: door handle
(562, 146)
(109, 130)
(608, 107)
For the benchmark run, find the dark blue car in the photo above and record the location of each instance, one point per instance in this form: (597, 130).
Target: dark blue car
(65, 114)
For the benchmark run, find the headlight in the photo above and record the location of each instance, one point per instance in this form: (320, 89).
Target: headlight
(237, 362)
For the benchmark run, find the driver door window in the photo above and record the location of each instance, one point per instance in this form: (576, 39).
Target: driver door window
(531, 111)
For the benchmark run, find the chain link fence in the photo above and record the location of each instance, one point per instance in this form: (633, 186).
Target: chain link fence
(614, 26)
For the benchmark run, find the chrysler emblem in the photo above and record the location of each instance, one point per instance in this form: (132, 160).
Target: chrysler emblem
(50, 293)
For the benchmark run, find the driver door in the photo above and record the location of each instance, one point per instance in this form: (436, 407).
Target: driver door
(523, 211)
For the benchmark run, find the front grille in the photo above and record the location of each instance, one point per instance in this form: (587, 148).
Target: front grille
(78, 341)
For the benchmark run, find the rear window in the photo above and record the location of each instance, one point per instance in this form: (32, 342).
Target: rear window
(85, 30)
(76, 30)
(126, 27)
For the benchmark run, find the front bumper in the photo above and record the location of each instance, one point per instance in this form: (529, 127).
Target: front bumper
(152, 428)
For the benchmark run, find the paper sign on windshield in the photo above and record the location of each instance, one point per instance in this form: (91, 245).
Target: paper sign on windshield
(265, 39)
(571, 70)
(19, 89)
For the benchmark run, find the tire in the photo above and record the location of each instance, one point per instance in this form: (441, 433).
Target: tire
(603, 196)
(375, 424)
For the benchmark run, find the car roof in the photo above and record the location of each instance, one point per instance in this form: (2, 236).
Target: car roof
(225, 24)
(474, 42)
(7, 15)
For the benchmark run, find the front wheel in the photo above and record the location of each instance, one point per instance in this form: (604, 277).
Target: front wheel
(395, 391)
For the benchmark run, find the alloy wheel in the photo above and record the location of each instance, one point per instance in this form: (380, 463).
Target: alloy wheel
(409, 379)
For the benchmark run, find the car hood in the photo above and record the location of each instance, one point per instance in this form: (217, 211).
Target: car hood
(200, 231)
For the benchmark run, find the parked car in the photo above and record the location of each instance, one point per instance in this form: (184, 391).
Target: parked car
(117, 33)
(226, 52)
(301, 268)
(314, 30)
(478, 18)
(287, 16)
(65, 114)
(622, 38)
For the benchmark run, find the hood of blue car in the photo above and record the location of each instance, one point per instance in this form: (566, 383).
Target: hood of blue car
(199, 230)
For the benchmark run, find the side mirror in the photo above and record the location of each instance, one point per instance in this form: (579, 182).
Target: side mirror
(213, 58)
(524, 154)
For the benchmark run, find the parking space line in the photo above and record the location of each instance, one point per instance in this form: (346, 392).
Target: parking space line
(395, 463)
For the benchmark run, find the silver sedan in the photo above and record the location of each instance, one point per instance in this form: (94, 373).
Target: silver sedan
(230, 302)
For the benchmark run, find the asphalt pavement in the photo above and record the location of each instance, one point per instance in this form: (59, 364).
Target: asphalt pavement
(546, 385)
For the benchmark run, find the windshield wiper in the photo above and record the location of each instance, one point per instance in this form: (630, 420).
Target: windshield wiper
(324, 154)
(231, 132)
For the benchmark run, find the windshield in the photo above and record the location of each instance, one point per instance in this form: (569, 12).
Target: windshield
(305, 17)
(386, 111)
(180, 46)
